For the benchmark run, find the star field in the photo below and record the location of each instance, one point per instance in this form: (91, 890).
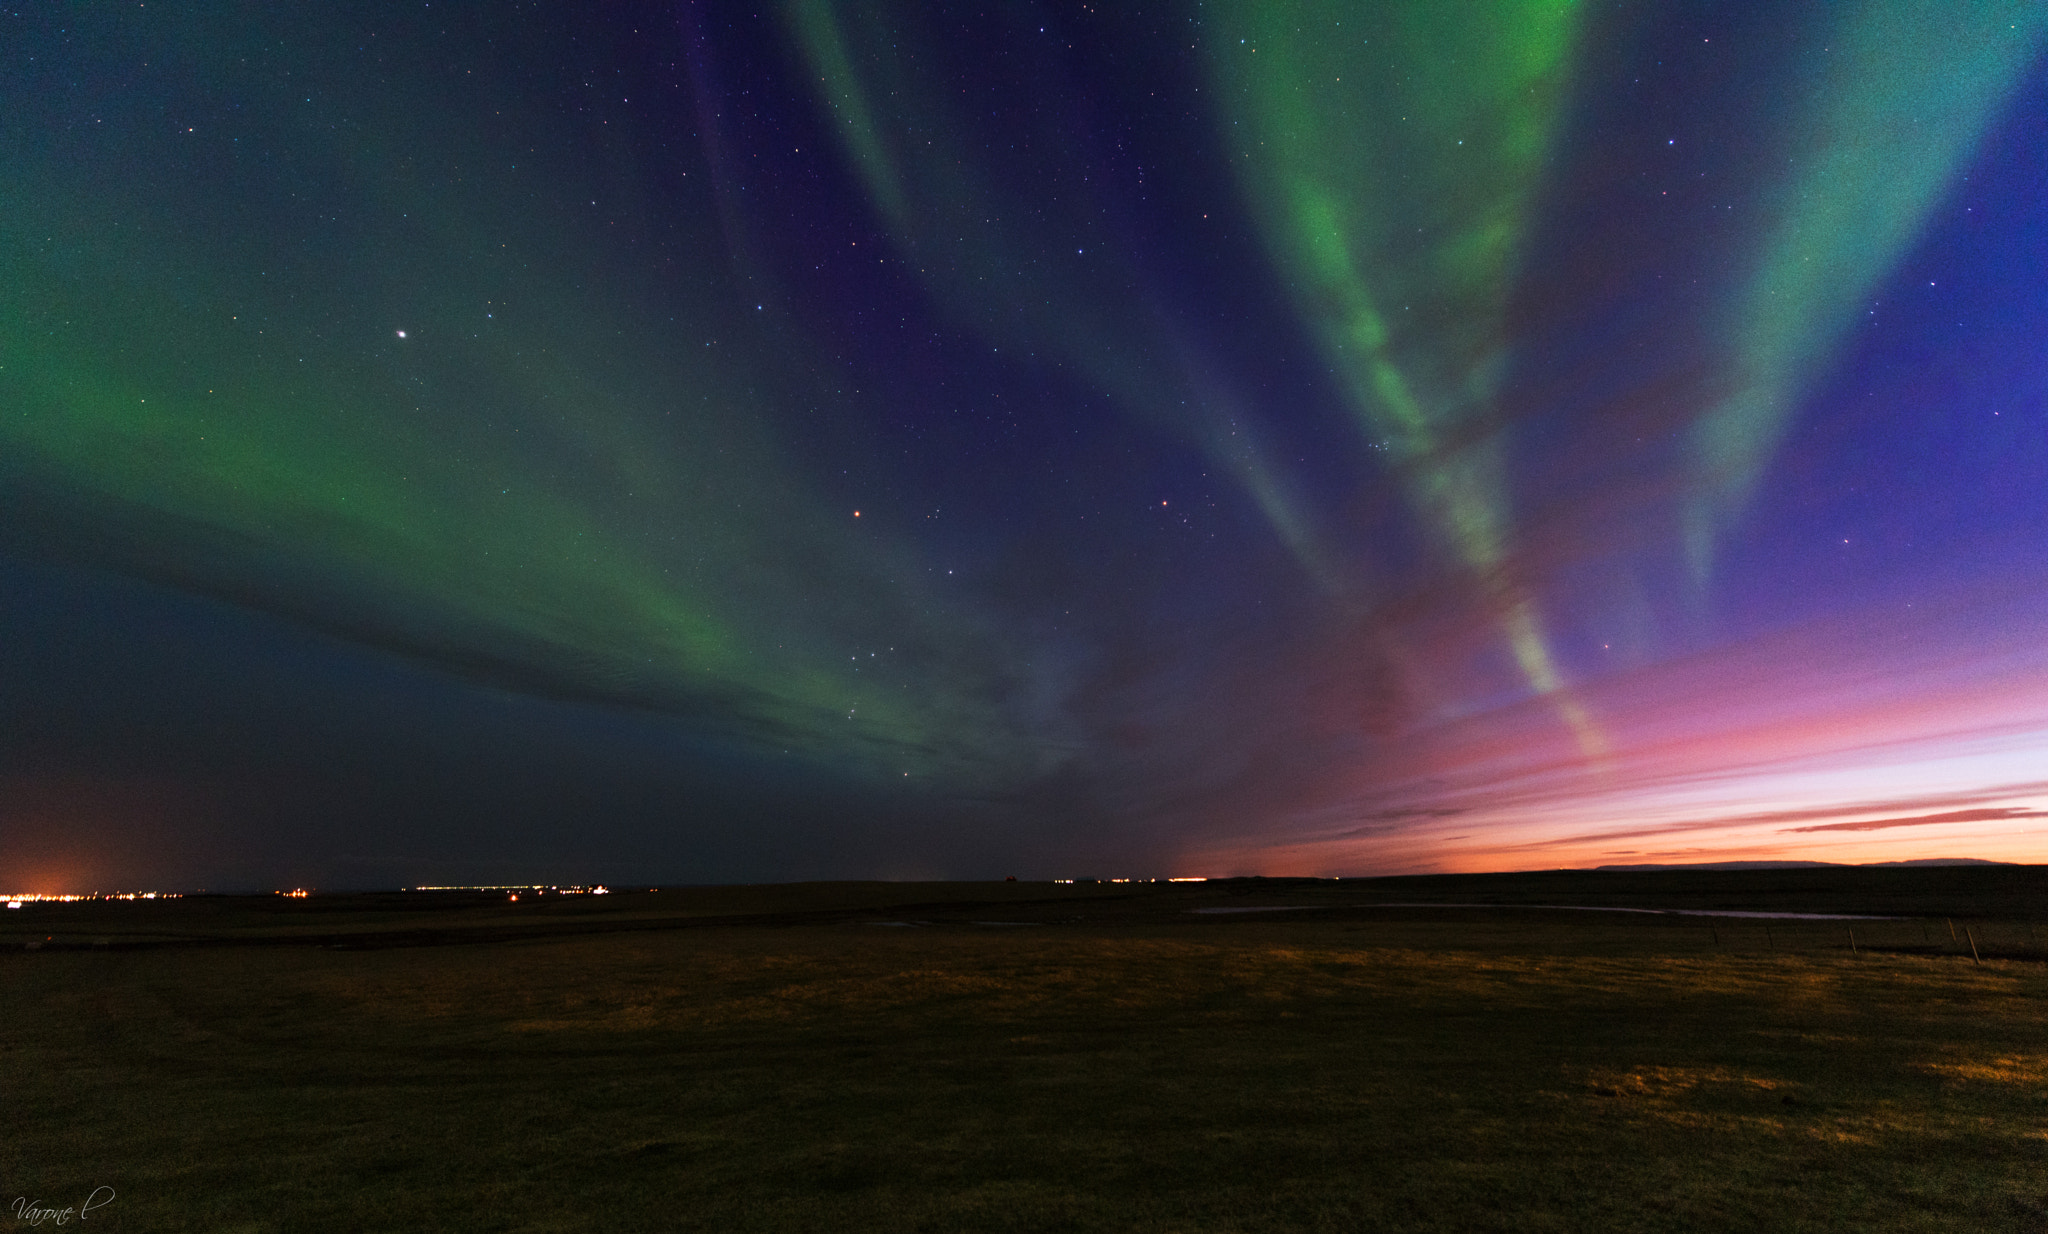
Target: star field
(849, 438)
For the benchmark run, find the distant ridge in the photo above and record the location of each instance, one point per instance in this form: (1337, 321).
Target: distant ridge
(1943, 861)
(1808, 865)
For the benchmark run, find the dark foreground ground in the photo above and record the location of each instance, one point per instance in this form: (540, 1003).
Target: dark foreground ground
(900, 1057)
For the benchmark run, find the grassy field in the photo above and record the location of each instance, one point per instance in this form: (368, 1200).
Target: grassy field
(868, 1057)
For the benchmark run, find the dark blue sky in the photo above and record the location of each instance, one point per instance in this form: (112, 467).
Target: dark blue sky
(692, 443)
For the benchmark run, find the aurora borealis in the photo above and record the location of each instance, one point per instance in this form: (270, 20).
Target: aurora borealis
(686, 442)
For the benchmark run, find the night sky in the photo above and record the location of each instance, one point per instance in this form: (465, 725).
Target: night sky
(690, 442)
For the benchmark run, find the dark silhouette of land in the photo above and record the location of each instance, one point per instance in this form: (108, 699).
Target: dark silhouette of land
(1447, 1052)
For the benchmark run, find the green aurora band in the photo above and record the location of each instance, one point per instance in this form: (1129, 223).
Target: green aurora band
(1879, 140)
(504, 368)
(1393, 159)
(543, 476)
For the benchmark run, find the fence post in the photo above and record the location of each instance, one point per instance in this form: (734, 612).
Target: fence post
(1973, 947)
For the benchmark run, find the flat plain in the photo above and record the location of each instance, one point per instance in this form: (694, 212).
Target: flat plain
(1453, 1053)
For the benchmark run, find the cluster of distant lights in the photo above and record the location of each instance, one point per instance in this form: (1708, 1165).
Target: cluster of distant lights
(536, 888)
(29, 897)
(296, 893)
(515, 891)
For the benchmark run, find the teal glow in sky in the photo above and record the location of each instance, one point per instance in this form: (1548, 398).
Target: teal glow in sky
(686, 442)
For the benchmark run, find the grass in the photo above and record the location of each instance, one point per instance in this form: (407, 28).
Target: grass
(1121, 1065)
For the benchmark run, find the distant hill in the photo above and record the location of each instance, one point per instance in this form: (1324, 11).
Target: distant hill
(1728, 865)
(1806, 865)
(1943, 861)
